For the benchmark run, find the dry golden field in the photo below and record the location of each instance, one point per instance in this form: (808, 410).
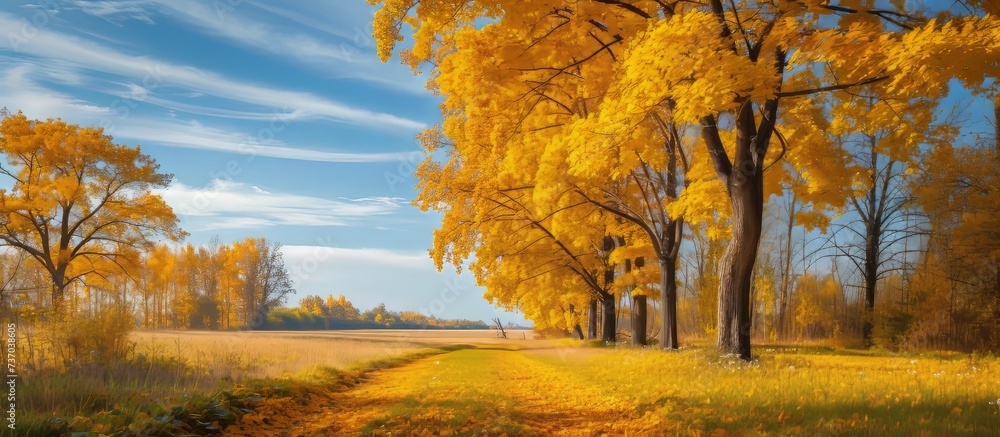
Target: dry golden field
(269, 354)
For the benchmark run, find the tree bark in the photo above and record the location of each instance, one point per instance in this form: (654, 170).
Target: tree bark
(609, 332)
(58, 293)
(639, 320)
(668, 297)
(58, 299)
(737, 268)
(744, 178)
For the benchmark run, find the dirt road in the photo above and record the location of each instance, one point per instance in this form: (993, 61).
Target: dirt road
(487, 390)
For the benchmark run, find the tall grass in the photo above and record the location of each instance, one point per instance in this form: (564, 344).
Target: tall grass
(259, 354)
(159, 370)
(794, 390)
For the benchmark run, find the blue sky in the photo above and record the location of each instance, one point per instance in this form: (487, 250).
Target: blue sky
(277, 120)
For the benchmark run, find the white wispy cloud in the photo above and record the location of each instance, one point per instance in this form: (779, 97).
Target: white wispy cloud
(349, 54)
(213, 111)
(21, 92)
(113, 11)
(194, 135)
(54, 46)
(225, 204)
(335, 19)
(339, 256)
(234, 26)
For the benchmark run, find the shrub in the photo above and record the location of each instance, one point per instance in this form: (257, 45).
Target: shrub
(100, 339)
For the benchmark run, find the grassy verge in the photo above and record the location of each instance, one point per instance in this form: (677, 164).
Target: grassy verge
(579, 390)
(798, 391)
(153, 394)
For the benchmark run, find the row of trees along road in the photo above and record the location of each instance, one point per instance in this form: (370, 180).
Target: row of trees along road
(569, 121)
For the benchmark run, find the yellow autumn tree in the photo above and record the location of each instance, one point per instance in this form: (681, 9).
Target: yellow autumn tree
(340, 308)
(934, 302)
(522, 237)
(539, 259)
(527, 108)
(959, 189)
(158, 274)
(229, 287)
(80, 205)
(265, 281)
(883, 139)
(817, 300)
(764, 297)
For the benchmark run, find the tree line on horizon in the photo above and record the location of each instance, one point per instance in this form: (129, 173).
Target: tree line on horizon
(316, 313)
(213, 286)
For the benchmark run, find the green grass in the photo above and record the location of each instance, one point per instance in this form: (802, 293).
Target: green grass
(796, 390)
(622, 390)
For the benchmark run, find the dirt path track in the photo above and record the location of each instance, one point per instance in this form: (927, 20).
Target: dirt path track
(480, 391)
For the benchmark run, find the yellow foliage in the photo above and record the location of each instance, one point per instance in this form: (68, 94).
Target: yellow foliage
(553, 106)
(80, 205)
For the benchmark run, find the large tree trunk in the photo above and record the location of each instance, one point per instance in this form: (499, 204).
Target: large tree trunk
(592, 320)
(737, 267)
(58, 299)
(668, 298)
(58, 292)
(744, 179)
(745, 186)
(609, 332)
(639, 320)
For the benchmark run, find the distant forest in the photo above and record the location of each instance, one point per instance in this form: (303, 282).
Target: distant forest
(316, 313)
